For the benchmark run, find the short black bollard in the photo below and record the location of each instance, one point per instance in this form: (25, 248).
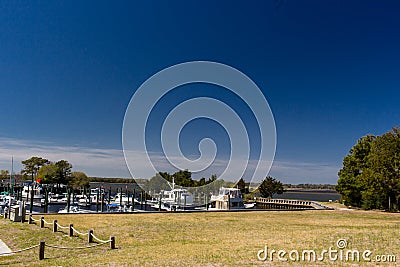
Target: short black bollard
(42, 222)
(54, 226)
(112, 242)
(90, 237)
(71, 231)
(41, 250)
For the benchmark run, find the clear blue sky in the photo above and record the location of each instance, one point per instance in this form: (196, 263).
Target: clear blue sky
(330, 71)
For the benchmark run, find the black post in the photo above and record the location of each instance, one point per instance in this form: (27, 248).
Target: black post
(42, 222)
(112, 243)
(42, 244)
(102, 202)
(133, 199)
(109, 196)
(159, 202)
(90, 237)
(97, 199)
(44, 204)
(71, 231)
(54, 226)
(68, 199)
(127, 194)
(31, 204)
(120, 197)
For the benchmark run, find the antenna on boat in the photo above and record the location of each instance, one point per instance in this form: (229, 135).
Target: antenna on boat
(172, 185)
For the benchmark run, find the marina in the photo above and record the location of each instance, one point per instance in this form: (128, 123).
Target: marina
(174, 200)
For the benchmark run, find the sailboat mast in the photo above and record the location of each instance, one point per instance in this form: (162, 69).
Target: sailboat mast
(11, 175)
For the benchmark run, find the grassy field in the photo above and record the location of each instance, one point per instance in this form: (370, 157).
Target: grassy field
(205, 239)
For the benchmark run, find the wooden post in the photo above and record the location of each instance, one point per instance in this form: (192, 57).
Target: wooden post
(141, 200)
(42, 222)
(27, 194)
(133, 199)
(90, 237)
(97, 199)
(30, 219)
(127, 194)
(32, 195)
(159, 203)
(102, 202)
(68, 200)
(112, 243)
(206, 202)
(46, 200)
(41, 250)
(54, 226)
(120, 197)
(229, 201)
(109, 195)
(71, 231)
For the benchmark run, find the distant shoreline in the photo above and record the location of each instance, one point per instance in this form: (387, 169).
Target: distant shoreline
(301, 190)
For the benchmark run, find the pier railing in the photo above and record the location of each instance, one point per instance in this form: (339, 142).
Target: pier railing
(276, 203)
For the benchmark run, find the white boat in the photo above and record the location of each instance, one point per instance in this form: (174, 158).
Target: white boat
(83, 200)
(37, 190)
(73, 209)
(227, 199)
(94, 193)
(176, 198)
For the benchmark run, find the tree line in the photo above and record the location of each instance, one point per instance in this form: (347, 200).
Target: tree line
(370, 176)
(48, 172)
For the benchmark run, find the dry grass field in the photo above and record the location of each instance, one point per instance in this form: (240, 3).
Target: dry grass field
(205, 239)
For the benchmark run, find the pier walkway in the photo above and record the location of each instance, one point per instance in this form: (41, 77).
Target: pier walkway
(292, 204)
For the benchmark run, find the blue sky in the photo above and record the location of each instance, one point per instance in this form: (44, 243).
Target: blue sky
(68, 69)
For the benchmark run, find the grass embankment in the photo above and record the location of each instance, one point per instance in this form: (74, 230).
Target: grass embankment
(203, 239)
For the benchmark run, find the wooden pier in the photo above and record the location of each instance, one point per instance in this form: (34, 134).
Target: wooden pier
(288, 204)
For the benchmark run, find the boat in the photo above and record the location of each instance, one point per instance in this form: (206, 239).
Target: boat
(96, 195)
(227, 199)
(73, 209)
(122, 199)
(83, 200)
(37, 190)
(175, 199)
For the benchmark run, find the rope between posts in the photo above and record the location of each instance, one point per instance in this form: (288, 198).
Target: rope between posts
(62, 227)
(18, 251)
(79, 233)
(35, 220)
(99, 240)
(92, 246)
(46, 222)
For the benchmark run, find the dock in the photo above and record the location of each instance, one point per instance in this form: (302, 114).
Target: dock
(288, 204)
